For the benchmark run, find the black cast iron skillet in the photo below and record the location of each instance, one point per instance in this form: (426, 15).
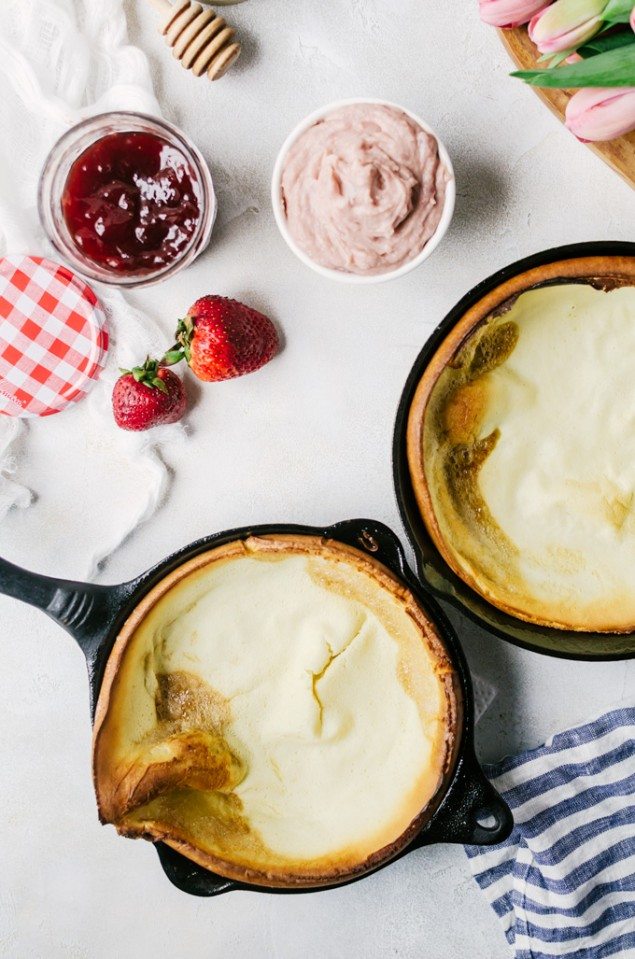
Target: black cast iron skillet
(470, 810)
(432, 568)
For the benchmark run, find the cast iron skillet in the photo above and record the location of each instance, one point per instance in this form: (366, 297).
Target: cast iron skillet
(471, 811)
(432, 568)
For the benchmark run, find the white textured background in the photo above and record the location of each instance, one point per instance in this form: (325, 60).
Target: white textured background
(308, 439)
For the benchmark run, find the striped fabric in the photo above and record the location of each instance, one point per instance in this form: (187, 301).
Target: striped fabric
(563, 884)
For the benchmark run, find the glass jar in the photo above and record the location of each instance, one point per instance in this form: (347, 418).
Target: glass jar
(53, 182)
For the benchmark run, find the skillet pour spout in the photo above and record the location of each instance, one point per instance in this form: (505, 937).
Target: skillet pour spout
(465, 808)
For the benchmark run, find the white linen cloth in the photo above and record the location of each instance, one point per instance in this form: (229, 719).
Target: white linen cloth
(77, 483)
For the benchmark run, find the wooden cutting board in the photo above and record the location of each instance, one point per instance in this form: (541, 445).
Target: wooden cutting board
(619, 154)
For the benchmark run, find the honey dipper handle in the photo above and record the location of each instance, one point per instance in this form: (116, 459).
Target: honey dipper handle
(199, 39)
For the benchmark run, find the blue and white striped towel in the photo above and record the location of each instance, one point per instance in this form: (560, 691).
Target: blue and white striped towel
(563, 884)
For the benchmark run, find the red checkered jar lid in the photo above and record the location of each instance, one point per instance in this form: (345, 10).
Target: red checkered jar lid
(52, 337)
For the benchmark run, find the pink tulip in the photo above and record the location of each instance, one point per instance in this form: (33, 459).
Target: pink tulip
(566, 24)
(509, 13)
(601, 113)
(633, 18)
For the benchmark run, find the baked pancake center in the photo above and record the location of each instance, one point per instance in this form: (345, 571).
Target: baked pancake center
(540, 510)
(278, 711)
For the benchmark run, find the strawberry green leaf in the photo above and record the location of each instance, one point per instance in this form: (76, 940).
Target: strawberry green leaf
(148, 375)
(614, 68)
(158, 383)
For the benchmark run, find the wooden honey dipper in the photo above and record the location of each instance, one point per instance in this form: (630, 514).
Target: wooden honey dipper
(199, 38)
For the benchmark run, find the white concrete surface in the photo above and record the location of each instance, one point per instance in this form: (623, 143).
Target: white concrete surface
(308, 440)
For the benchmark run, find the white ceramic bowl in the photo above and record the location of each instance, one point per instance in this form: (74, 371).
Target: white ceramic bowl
(340, 275)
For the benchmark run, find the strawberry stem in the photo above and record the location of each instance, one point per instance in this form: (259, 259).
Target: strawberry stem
(184, 336)
(173, 356)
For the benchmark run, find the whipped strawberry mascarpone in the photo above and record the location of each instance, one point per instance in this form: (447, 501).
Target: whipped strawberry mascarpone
(363, 189)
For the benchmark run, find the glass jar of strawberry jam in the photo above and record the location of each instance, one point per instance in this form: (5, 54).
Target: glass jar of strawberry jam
(127, 199)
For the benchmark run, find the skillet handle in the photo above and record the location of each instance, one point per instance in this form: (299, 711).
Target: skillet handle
(472, 813)
(373, 538)
(27, 587)
(84, 610)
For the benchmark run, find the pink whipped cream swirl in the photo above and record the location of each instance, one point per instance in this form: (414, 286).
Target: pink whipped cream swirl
(363, 189)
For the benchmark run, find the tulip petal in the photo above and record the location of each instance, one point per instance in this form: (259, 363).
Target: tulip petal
(601, 114)
(509, 13)
(566, 24)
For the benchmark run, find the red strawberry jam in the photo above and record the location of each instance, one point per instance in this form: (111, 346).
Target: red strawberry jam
(131, 203)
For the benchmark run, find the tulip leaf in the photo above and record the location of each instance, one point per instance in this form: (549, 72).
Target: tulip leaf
(613, 68)
(607, 41)
(618, 11)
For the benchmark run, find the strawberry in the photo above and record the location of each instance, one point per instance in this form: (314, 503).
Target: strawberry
(147, 396)
(222, 338)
